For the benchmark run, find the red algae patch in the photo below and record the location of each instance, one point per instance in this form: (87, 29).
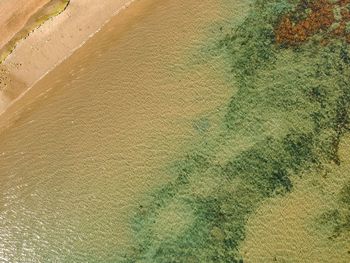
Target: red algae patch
(328, 18)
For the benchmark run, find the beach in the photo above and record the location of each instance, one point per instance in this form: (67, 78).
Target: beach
(50, 44)
(14, 15)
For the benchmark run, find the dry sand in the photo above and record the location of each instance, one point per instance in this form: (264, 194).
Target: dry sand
(14, 15)
(51, 43)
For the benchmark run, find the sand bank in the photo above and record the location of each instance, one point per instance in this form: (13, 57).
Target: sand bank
(52, 43)
(14, 15)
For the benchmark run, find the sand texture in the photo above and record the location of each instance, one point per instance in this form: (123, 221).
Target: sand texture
(14, 15)
(53, 42)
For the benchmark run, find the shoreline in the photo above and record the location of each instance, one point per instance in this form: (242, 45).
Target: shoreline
(36, 18)
(52, 43)
(14, 16)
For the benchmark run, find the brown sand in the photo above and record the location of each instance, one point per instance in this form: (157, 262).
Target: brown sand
(50, 44)
(14, 15)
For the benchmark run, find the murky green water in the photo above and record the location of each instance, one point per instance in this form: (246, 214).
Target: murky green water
(78, 160)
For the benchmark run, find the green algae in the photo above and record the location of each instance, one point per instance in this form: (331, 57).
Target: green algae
(292, 104)
(51, 9)
(337, 219)
(297, 219)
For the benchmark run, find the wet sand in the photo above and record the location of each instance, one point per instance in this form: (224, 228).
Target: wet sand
(53, 42)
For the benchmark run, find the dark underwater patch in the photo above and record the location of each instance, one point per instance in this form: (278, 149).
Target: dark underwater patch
(292, 101)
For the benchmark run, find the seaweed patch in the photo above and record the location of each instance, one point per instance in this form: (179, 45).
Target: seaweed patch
(325, 18)
(292, 104)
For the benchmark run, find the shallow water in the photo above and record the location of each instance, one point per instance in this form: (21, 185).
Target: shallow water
(78, 159)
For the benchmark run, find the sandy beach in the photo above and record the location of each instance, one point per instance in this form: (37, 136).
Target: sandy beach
(14, 15)
(50, 44)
